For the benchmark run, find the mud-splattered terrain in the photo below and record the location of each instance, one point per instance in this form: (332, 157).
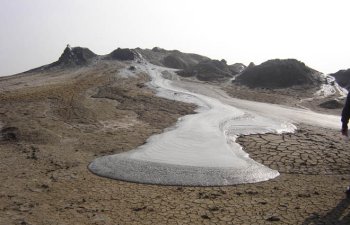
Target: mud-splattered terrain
(54, 123)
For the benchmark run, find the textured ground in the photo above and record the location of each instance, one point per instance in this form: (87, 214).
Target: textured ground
(62, 191)
(60, 126)
(295, 97)
(310, 151)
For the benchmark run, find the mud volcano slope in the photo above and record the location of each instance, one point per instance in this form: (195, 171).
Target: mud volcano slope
(212, 70)
(343, 78)
(171, 58)
(278, 73)
(122, 54)
(76, 56)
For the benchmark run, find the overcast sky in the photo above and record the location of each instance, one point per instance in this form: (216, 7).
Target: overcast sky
(34, 33)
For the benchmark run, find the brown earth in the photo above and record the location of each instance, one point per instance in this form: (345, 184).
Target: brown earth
(54, 123)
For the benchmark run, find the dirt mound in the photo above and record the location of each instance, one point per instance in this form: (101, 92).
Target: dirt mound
(175, 62)
(332, 104)
(343, 78)
(171, 58)
(237, 68)
(212, 70)
(179, 60)
(157, 49)
(122, 54)
(75, 56)
(279, 74)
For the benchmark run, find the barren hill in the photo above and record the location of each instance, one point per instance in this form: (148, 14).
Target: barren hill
(171, 58)
(279, 74)
(76, 56)
(343, 78)
(212, 70)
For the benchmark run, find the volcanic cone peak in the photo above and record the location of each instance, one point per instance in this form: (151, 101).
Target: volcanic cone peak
(70, 57)
(279, 73)
(75, 56)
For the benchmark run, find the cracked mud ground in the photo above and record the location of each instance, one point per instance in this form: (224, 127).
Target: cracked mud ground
(50, 133)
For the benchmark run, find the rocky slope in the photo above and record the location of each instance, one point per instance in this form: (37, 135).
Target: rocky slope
(212, 70)
(79, 56)
(192, 65)
(122, 54)
(170, 58)
(76, 56)
(278, 73)
(343, 78)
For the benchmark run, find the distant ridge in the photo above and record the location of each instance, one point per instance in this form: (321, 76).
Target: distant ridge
(272, 74)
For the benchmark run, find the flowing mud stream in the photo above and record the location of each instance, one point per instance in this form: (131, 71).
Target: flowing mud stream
(200, 150)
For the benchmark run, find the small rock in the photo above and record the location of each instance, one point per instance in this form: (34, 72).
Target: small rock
(137, 209)
(214, 208)
(304, 195)
(251, 192)
(179, 189)
(9, 134)
(132, 68)
(140, 85)
(45, 186)
(206, 217)
(273, 219)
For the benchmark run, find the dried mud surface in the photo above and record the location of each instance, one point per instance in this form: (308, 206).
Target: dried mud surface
(53, 124)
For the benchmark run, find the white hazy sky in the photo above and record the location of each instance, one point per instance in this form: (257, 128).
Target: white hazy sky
(34, 33)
